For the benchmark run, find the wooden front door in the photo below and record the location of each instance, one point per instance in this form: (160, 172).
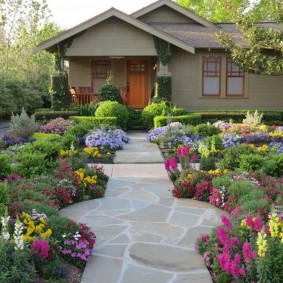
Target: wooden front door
(137, 86)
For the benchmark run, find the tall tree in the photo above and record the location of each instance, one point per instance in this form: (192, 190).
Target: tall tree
(23, 24)
(261, 50)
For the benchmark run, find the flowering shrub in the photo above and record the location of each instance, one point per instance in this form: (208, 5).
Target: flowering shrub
(56, 126)
(109, 139)
(77, 247)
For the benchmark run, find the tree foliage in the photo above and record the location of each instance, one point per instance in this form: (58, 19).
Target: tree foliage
(261, 50)
(24, 24)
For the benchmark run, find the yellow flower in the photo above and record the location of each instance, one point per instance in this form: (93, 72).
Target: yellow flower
(262, 244)
(263, 148)
(39, 228)
(46, 234)
(276, 134)
(275, 225)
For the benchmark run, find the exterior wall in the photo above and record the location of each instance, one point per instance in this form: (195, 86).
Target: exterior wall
(165, 14)
(113, 37)
(261, 91)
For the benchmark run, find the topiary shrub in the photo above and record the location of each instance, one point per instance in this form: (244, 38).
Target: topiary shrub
(60, 94)
(113, 109)
(109, 92)
(151, 111)
(206, 130)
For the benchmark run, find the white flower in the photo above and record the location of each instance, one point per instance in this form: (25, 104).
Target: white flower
(18, 236)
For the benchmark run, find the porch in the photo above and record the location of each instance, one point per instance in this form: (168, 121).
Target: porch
(134, 76)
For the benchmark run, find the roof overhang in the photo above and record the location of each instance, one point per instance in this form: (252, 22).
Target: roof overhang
(50, 45)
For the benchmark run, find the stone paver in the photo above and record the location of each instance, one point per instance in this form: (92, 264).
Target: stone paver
(143, 233)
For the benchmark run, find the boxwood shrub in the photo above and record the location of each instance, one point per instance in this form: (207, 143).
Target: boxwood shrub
(151, 111)
(114, 109)
(95, 121)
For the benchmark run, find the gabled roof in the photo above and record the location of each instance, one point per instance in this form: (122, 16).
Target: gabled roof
(175, 7)
(51, 43)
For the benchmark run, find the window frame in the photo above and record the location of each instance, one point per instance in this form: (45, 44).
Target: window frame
(97, 75)
(230, 73)
(206, 73)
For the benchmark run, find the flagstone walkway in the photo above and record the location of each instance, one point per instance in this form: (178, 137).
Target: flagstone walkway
(143, 233)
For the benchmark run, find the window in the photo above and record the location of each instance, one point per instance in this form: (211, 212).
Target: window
(211, 75)
(235, 79)
(100, 73)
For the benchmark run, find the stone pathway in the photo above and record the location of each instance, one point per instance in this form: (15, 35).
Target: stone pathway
(143, 233)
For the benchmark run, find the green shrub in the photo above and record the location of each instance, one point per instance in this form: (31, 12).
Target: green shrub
(135, 120)
(222, 181)
(161, 121)
(51, 114)
(80, 129)
(151, 111)
(5, 165)
(214, 140)
(17, 94)
(179, 111)
(251, 162)
(206, 130)
(113, 109)
(87, 109)
(207, 163)
(95, 122)
(50, 149)
(4, 197)
(231, 157)
(31, 164)
(109, 92)
(22, 126)
(45, 137)
(60, 94)
(274, 165)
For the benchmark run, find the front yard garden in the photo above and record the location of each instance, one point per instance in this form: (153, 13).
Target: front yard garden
(237, 167)
(42, 170)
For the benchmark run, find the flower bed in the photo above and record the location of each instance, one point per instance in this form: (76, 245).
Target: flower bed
(39, 177)
(240, 172)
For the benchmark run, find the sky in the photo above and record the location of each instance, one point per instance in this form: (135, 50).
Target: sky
(69, 13)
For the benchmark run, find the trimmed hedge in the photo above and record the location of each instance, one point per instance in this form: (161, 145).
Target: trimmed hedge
(238, 116)
(194, 119)
(95, 121)
(48, 115)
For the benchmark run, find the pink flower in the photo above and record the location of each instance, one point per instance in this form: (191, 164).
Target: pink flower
(248, 252)
(40, 247)
(173, 164)
(222, 236)
(257, 224)
(249, 221)
(167, 164)
(227, 222)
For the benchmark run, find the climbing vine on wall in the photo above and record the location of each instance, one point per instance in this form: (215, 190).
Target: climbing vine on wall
(163, 50)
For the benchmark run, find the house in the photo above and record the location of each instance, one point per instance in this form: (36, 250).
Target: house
(202, 71)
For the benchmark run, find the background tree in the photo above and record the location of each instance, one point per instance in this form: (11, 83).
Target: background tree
(261, 50)
(24, 24)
